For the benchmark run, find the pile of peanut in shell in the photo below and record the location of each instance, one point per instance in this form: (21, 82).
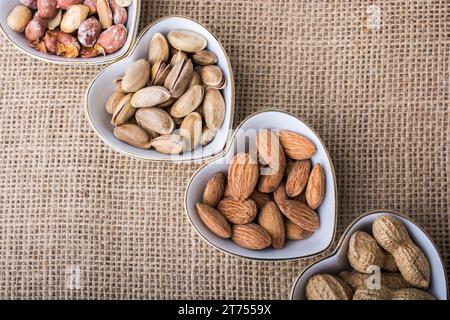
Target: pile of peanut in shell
(406, 270)
(170, 101)
(72, 28)
(258, 210)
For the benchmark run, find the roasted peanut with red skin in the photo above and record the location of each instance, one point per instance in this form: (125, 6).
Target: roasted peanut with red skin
(51, 40)
(89, 32)
(120, 15)
(30, 3)
(112, 39)
(65, 4)
(47, 9)
(36, 28)
(92, 4)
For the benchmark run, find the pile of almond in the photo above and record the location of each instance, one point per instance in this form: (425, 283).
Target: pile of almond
(270, 194)
(170, 101)
(72, 28)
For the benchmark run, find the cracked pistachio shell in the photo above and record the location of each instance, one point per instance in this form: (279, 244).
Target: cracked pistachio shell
(169, 144)
(155, 120)
(123, 112)
(113, 101)
(196, 80)
(133, 135)
(208, 135)
(188, 102)
(213, 108)
(179, 78)
(212, 76)
(136, 76)
(187, 41)
(204, 58)
(159, 73)
(177, 57)
(191, 130)
(150, 97)
(158, 50)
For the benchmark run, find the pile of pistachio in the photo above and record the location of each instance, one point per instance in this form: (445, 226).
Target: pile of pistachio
(170, 101)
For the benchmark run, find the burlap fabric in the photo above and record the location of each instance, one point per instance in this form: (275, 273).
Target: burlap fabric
(377, 94)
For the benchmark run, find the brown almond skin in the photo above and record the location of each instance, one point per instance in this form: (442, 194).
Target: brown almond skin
(214, 220)
(251, 236)
(294, 232)
(296, 146)
(300, 214)
(297, 178)
(315, 190)
(280, 195)
(268, 183)
(260, 198)
(214, 190)
(271, 219)
(269, 148)
(238, 212)
(243, 174)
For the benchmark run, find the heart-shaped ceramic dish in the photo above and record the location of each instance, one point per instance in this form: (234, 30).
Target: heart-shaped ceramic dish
(337, 261)
(102, 87)
(243, 137)
(21, 43)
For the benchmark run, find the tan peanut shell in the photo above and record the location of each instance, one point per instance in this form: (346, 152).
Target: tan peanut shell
(385, 293)
(392, 235)
(271, 220)
(364, 251)
(214, 189)
(327, 287)
(391, 280)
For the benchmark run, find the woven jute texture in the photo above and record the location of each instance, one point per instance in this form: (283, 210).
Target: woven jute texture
(372, 80)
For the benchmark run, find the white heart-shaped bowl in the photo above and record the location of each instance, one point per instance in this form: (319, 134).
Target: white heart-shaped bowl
(337, 261)
(243, 137)
(20, 42)
(102, 87)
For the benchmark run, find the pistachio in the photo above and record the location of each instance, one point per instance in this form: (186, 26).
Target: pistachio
(191, 130)
(179, 78)
(133, 135)
(123, 112)
(159, 73)
(136, 76)
(188, 102)
(156, 120)
(204, 58)
(212, 76)
(196, 80)
(187, 41)
(158, 50)
(169, 144)
(150, 97)
(113, 101)
(168, 103)
(214, 108)
(177, 57)
(208, 135)
(118, 84)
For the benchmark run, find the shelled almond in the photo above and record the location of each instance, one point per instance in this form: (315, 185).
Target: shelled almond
(406, 269)
(177, 101)
(253, 199)
(96, 27)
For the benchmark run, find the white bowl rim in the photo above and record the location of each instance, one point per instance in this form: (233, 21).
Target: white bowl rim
(86, 61)
(345, 234)
(129, 53)
(224, 153)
